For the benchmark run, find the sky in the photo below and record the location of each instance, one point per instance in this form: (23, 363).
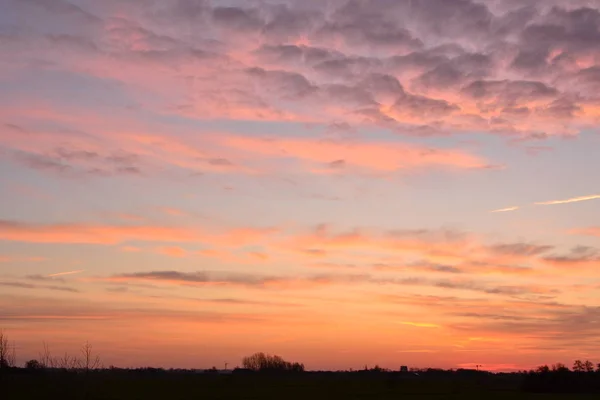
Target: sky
(339, 182)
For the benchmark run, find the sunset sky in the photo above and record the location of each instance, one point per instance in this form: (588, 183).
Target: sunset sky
(339, 182)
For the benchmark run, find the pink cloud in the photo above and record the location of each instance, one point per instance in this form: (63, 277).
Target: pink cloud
(504, 89)
(228, 153)
(174, 212)
(592, 231)
(369, 156)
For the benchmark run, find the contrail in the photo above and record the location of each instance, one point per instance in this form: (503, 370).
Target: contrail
(573, 200)
(66, 273)
(505, 209)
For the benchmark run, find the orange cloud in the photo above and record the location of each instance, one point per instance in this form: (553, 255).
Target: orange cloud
(173, 251)
(116, 234)
(9, 259)
(173, 212)
(242, 236)
(421, 324)
(259, 256)
(130, 249)
(91, 234)
(440, 246)
(490, 267)
(437, 252)
(129, 217)
(210, 253)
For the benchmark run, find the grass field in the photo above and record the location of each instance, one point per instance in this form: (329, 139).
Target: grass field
(306, 387)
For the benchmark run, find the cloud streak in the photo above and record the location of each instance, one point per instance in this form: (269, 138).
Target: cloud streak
(553, 202)
(89, 234)
(503, 210)
(568, 201)
(81, 233)
(20, 285)
(66, 273)
(357, 155)
(224, 279)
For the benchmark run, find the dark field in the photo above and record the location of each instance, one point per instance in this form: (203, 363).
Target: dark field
(308, 386)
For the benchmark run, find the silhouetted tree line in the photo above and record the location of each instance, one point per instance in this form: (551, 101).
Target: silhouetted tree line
(88, 361)
(558, 378)
(584, 377)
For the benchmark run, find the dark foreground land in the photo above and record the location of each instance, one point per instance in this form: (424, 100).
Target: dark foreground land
(306, 386)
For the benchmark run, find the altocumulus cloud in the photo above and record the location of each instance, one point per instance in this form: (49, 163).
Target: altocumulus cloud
(504, 69)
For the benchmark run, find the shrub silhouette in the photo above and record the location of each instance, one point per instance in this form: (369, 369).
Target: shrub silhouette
(34, 365)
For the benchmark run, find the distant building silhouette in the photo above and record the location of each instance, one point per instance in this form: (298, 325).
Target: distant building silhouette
(404, 368)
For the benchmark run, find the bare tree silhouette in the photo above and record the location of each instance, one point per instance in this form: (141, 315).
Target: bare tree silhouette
(8, 356)
(12, 356)
(65, 362)
(89, 360)
(46, 357)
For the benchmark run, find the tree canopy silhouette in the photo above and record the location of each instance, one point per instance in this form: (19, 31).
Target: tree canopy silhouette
(560, 379)
(262, 362)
